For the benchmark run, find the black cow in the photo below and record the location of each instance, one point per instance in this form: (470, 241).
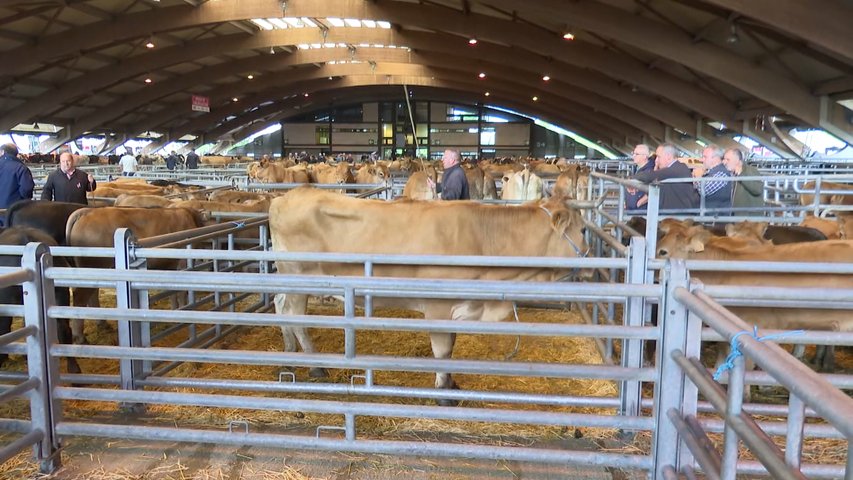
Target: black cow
(14, 295)
(49, 217)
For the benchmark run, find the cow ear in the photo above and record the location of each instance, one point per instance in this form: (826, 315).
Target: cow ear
(696, 245)
(762, 227)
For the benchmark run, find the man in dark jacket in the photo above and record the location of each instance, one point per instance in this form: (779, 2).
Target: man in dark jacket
(636, 199)
(16, 180)
(673, 196)
(67, 184)
(171, 161)
(192, 160)
(454, 184)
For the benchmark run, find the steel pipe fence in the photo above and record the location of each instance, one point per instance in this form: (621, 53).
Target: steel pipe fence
(131, 355)
(34, 385)
(134, 356)
(808, 391)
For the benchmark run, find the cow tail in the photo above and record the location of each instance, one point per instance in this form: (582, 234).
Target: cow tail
(10, 213)
(72, 219)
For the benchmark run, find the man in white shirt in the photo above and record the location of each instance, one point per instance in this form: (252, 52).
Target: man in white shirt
(128, 165)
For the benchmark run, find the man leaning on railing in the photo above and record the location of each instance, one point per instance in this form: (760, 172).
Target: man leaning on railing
(747, 195)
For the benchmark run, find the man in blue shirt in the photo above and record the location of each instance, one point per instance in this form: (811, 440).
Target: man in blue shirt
(16, 180)
(718, 194)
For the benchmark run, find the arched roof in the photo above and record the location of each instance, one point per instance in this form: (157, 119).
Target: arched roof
(635, 70)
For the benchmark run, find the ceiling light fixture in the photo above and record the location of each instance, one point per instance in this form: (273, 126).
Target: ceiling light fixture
(487, 94)
(546, 78)
(250, 76)
(235, 99)
(535, 99)
(733, 36)
(150, 43)
(272, 50)
(482, 75)
(568, 36)
(148, 80)
(306, 94)
(472, 41)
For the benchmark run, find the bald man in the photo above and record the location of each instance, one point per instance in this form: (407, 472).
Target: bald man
(67, 184)
(454, 184)
(636, 199)
(673, 196)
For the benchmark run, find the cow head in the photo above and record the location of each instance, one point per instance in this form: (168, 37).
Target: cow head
(684, 243)
(752, 232)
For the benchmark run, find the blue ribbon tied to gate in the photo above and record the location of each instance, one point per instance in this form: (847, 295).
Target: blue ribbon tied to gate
(735, 347)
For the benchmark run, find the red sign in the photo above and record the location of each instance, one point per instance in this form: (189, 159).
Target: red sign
(201, 104)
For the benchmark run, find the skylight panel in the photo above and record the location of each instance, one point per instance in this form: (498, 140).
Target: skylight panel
(278, 22)
(368, 23)
(309, 22)
(265, 25)
(352, 22)
(337, 22)
(383, 24)
(294, 22)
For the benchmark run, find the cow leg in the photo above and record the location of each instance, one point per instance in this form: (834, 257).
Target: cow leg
(5, 327)
(442, 347)
(63, 328)
(297, 305)
(82, 298)
(63, 334)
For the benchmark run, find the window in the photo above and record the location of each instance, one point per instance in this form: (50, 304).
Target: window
(487, 136)
(323, 136)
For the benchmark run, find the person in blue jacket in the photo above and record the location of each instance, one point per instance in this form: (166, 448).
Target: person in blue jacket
(16, 180)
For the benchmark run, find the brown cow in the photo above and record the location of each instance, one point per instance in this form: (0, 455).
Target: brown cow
(141, 200)
(95, 227)
(236, 196)
(827, 227)
(310, 220)
(704, 246)
(331, 174)
(420, 186)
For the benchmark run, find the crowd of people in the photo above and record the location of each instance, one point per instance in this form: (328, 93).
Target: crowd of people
(722, 193)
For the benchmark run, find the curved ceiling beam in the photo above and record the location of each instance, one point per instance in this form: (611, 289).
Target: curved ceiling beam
(594, 102)
(78, 40)
(185, 82)
(150, 62)
(356, 75)
(662, 40)
(827, 26)
(527, 37)
(421, 41)
(327, 93)
(502, 31)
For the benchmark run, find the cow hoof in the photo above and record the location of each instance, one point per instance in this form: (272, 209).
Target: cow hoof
(318, 373)
(446, 402)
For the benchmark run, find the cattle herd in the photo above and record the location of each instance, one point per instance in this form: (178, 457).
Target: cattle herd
(314, 220)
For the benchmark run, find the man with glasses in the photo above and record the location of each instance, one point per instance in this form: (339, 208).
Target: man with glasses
(636, 199)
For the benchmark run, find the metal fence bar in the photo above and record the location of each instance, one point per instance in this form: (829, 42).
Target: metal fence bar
(522, 454)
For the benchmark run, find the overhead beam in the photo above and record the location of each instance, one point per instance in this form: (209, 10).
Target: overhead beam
(593, 82)
(481, 26)
(357, 75)
(827, 26)
(664, 42)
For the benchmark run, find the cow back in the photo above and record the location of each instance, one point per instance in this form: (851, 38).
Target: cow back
(48, 217)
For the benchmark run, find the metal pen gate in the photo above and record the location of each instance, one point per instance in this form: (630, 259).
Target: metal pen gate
(632, 413)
